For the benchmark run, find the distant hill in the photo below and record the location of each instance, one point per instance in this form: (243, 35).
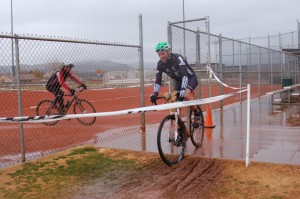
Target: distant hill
(82, 67)
(106, 65)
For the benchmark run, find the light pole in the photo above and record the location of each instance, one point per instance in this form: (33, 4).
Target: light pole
(13, 70)
(183, 10)
(11, 17)
(183, 17)
(298, 26)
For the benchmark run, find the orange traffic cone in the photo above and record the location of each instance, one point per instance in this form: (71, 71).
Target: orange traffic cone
(208, 119)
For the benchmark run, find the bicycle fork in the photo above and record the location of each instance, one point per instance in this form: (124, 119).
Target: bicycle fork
(176, 127)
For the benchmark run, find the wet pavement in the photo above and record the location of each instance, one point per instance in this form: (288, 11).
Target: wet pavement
(274, 134)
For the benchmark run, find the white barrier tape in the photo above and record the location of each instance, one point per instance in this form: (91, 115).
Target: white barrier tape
(215, 76)
(122, 112)
(31, 119)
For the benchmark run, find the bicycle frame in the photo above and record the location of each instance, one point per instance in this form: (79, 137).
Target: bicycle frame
(75, 98)
(173, 133)
(176, 113)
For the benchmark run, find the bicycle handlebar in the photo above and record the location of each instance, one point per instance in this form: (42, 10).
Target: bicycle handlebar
(77, 89)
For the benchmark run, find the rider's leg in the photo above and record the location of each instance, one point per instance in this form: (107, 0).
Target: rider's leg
(59, 99)
(189, 96)
(192, 84)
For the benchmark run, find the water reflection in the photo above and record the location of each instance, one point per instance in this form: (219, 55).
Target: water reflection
(269, 128)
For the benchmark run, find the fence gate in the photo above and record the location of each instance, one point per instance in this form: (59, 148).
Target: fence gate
(191, 39)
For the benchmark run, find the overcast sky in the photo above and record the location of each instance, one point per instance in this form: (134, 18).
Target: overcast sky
(117, 20)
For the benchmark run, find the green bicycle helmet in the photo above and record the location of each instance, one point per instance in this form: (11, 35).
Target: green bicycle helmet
(162, 46)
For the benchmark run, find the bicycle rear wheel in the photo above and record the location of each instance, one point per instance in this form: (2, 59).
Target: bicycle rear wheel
(46, 108)
(170, 148)
(83, 106)
(197, 134)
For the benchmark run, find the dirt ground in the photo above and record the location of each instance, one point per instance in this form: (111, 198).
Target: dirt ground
(194, 177)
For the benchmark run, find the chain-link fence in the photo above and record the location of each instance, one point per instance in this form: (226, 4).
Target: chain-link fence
(281, 41)
(235, 63)
(108, 69)
(190, 39)
(239, 63)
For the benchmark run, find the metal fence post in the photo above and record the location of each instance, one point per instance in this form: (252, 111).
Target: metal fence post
(170, 42)
(295, 71)
(221, 68)
(208, 56)
(288, 66)
(298, 28)
(198, 65)
(298, 67)
(240, 69)
(281, 65)
(271, 65)
(258, 70)
(13, 67)
(19, 98)
(232, 53)
(142, 81)
(249, 64)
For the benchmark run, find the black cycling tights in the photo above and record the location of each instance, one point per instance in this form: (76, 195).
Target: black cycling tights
(59, 94)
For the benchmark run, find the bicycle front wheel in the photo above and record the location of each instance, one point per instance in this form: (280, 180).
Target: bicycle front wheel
(46, 108)
(82, 106)
(171, 148)
(197, 134)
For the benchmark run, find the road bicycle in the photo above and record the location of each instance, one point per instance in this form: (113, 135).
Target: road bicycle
(171, 138)
(80, 106)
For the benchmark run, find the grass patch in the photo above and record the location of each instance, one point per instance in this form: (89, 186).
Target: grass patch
(50, 179)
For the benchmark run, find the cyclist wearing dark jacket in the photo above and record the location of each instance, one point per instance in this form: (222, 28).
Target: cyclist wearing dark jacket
(58, 79)
(177, 68)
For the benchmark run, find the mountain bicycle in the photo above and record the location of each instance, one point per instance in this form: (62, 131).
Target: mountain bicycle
(51, 107)
(171, 138)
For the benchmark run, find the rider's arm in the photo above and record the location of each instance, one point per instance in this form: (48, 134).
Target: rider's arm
(184, 83)
(184, 72)
(62, 81)
(75, 79)
(158, 81)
